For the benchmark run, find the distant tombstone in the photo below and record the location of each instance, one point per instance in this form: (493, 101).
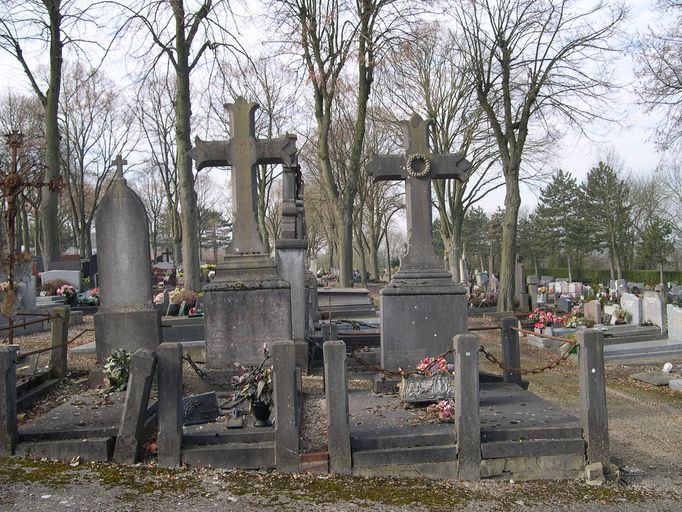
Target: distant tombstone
(532, 285)
(653, 310)
(633, 305)
(575, 290)
(546, 280)
(482, 279)
(662, 291)
(93, 268)
(73, 277)
(40, 263)
(519, 282)
(65, 265)
(126, 318)
(622, 290)
(674, 315)
(564, 304)
(561, 287)
(593, 311)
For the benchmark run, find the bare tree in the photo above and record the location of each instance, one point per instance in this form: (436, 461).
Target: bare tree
(156, 118)
(660, 71)
(95, 128)
(182, 36)
(151, 190)
(330, 35)
(532, 62)
(46, 23)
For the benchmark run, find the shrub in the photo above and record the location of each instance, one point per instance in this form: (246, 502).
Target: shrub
(180, 295)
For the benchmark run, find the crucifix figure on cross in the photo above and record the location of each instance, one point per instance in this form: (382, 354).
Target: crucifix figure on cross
(418, 167)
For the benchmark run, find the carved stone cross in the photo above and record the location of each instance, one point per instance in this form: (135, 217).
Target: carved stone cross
(418, 167)
(244, 153)
(119, 163)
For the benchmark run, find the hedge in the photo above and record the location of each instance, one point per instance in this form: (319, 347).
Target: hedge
(595, 276)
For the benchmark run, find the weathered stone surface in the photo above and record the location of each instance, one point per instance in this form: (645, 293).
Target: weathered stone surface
(131, 433)
(653, 378)
(674, 315)
(96, 449)
(594, 474)
(653, 311)
(8, 400)
(290, 258)
(284, 384)
(170, 404)
(60, 336)
(633, 305)
(467, 415)
(259, 455)
(549, 467)
(419, 322)
(593, 311)
(592, 383)
(126, 318)
(511, 352)
(201, 408)
(336, 389)
(676, 384)
(532, 448)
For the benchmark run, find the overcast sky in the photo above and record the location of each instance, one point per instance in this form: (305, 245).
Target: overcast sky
(631, 140)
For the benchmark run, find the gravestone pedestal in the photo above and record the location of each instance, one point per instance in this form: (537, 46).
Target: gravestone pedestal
(419, 316)
(128, 327)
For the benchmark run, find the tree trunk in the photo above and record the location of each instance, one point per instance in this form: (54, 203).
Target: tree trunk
(388, 257)
(512, 203)
(189, 214)
(24, 227)
(374, 241)
(48, 199)
(345, 247)
(568, 263)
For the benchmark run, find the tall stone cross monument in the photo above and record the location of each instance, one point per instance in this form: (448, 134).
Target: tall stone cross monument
(421, 308)
(248, 303)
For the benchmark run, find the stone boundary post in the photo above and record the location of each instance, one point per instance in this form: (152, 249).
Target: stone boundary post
(467, 415)
(60, 336)
(338, 424)
(284, 391)
(592, 380)
(170, 405)
(131, 432)
(8, 400)
(511, 352)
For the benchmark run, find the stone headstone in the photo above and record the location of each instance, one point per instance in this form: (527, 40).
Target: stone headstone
(674, 315)
(561, 287)
(633, 305)
(593, 311)
(421, 308)
(519, 284)
(126, 318)
(564, 304)
(73, 277)
(482, 279)
(248, 303)
(653, 310)
(546, 280)
(533, 282)
(201, 408)
(65, 265)
(575, 290)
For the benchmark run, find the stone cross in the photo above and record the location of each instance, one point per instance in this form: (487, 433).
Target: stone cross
(244, 153)
(119, 163)
(418, 167)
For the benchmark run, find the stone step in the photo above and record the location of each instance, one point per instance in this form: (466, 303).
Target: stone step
(365, 443)
(231, 455)
(98, 449)
(28, 383)
(529, 433)
(533, 448)
(624, 340)
(25, 400)
(399, 456)
(236, 436)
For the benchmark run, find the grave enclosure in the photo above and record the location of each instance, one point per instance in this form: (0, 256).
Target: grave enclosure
(500, 429)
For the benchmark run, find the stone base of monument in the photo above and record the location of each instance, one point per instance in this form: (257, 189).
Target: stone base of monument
(126, 327)
(240, 317)
(419, 318)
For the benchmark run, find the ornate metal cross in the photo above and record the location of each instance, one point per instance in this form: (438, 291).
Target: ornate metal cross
(418, 167)
(243, 152)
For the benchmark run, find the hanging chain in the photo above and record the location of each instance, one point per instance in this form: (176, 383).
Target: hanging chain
(530, 371)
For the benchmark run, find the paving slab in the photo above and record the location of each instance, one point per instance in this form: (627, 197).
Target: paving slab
(654, 378)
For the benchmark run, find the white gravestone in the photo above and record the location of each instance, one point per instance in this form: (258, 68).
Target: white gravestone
(653, 310)
(73, 277)
(674, 315)
(633, 305)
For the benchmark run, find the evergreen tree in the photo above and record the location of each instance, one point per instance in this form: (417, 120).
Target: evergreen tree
(656, 244)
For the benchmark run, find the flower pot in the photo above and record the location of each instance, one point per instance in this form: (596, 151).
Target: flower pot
(260, 411)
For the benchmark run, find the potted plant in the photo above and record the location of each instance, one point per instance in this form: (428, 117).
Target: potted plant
(620, 314)
(256, 386)
(177, 297)
(69, 293)
(544, 320)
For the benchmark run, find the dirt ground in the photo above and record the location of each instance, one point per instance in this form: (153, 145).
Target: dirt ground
(645, 438)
